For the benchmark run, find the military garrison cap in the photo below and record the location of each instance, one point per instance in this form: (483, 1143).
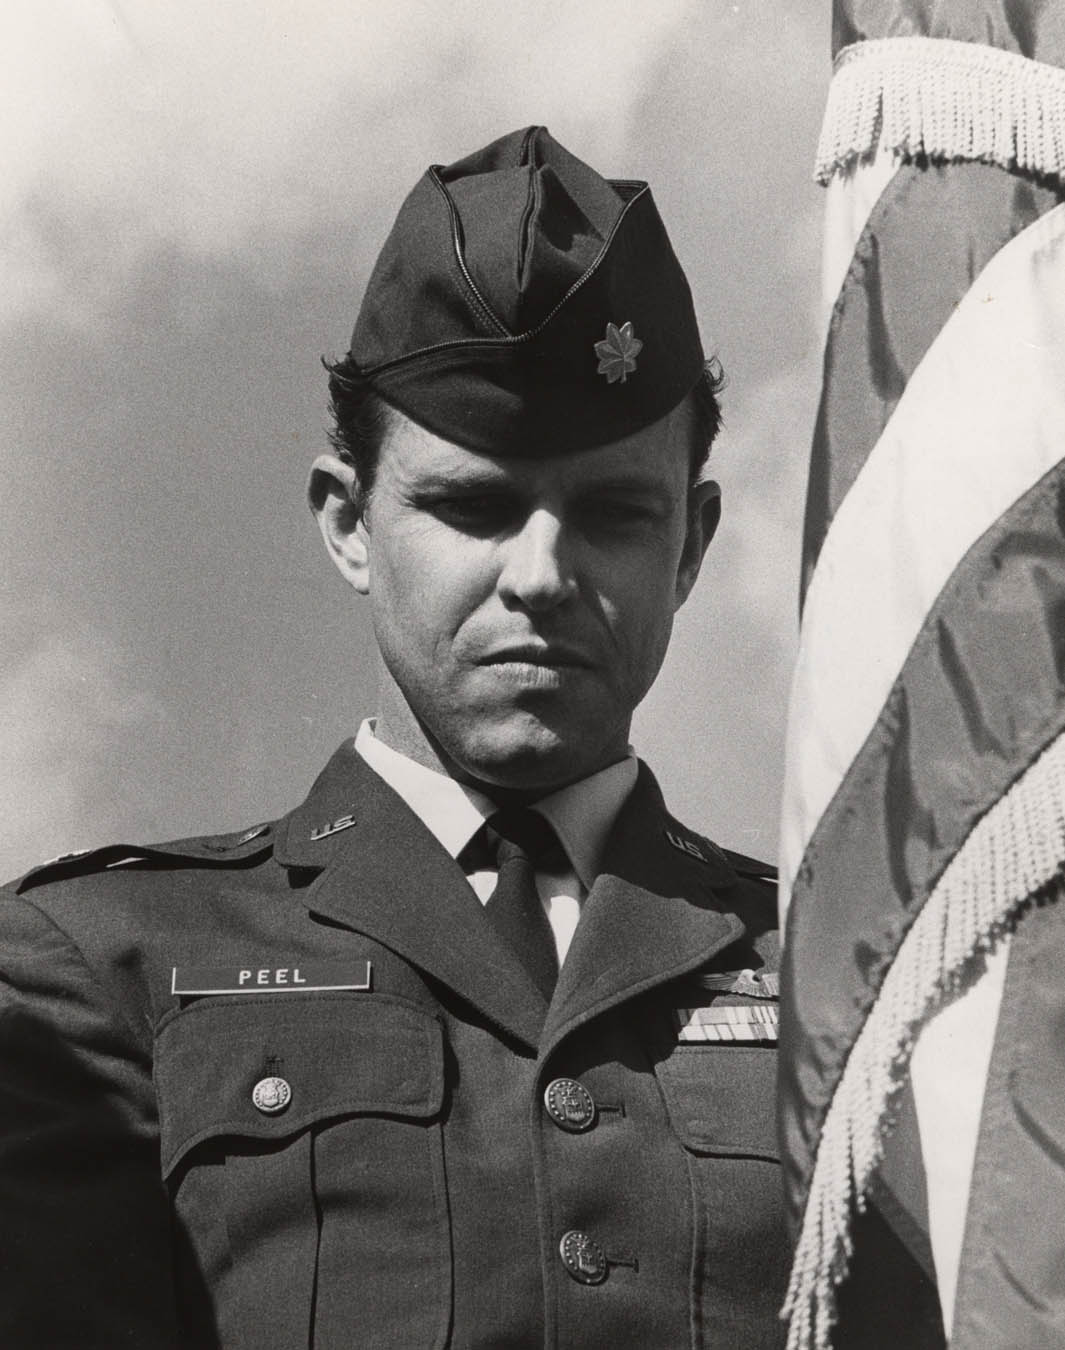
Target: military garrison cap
(524, 305)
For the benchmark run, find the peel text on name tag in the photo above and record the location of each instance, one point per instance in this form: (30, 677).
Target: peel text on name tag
(255, 978)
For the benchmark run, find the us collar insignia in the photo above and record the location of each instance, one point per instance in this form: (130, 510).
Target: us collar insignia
(332, 827)
(617, 352)
(683, 845)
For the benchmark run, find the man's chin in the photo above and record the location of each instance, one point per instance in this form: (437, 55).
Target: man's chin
(531, 760)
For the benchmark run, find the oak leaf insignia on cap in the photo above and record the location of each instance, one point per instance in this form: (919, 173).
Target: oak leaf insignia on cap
(617, 352)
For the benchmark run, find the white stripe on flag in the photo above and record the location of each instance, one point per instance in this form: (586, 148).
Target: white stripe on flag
(948, 1070)
(978, 424)
(850, 197)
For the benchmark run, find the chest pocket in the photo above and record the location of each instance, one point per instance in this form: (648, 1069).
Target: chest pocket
(301, 1143)
(720, 1099)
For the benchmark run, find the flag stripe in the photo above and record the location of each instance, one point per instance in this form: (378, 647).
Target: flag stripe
(850, 197)
(951, 1053)
(931, 232)
(980, 421)
(980, 695)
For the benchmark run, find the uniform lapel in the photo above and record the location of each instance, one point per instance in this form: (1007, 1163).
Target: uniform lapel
(385, 875)
(659, 908)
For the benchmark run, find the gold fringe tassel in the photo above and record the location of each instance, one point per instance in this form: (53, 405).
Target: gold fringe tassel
(944, 99)
(1015, 852)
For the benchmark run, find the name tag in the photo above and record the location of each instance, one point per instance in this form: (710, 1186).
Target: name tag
(307, 977)
(739, 1022)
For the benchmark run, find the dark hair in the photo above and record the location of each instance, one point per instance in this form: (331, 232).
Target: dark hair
(361, 417)
(706, 408)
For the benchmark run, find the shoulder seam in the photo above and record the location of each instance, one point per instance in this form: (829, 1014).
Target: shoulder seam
(97, 860)
(114, 1007)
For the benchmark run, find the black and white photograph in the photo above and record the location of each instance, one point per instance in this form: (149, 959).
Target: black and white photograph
(533, 575)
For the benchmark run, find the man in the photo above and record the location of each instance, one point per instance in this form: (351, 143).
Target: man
(418, 1065)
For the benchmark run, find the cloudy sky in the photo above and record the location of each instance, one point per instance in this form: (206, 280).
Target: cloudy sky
(192, 198)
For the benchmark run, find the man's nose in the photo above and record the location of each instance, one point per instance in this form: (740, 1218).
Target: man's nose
(537, 570)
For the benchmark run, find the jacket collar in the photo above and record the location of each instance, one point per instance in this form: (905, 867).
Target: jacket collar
(312, 834)
(659, 908)
(384, 874)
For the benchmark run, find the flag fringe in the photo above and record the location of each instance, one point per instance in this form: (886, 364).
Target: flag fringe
(936, 97)
(1014, 854)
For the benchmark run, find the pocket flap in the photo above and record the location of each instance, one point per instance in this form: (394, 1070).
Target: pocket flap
(338, 1054)
(721, 1099)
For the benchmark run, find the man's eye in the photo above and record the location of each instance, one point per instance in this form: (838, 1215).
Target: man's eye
(474, 511)
(617, 512)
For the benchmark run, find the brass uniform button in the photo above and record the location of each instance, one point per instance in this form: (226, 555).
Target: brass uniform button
(570, 1105)
(583, 1257)
(271, 1095)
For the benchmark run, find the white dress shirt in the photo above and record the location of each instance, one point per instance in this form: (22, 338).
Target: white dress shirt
(580, 814)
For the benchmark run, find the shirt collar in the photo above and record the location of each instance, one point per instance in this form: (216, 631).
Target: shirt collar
(447, 809)
(581, 813)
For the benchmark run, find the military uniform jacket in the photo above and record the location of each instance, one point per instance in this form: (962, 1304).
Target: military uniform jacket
(288, 1088)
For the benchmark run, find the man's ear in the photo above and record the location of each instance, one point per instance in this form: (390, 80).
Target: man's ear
(704, 514)
(332, 491)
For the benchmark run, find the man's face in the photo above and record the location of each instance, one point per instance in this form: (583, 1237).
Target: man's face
(523, 607)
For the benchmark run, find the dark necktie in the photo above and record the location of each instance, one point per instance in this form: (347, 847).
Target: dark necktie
(516, 840)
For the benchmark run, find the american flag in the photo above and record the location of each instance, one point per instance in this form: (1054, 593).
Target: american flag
(924, 804)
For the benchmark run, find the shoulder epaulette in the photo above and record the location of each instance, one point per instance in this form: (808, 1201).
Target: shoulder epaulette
(703, 848)
(750, 867)
(217, 850)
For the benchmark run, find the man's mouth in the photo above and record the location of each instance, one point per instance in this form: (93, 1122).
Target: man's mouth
(553, 656)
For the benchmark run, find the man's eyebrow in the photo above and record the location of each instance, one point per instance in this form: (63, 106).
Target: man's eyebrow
(443, 479)
(627, 480)
(630, 484)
